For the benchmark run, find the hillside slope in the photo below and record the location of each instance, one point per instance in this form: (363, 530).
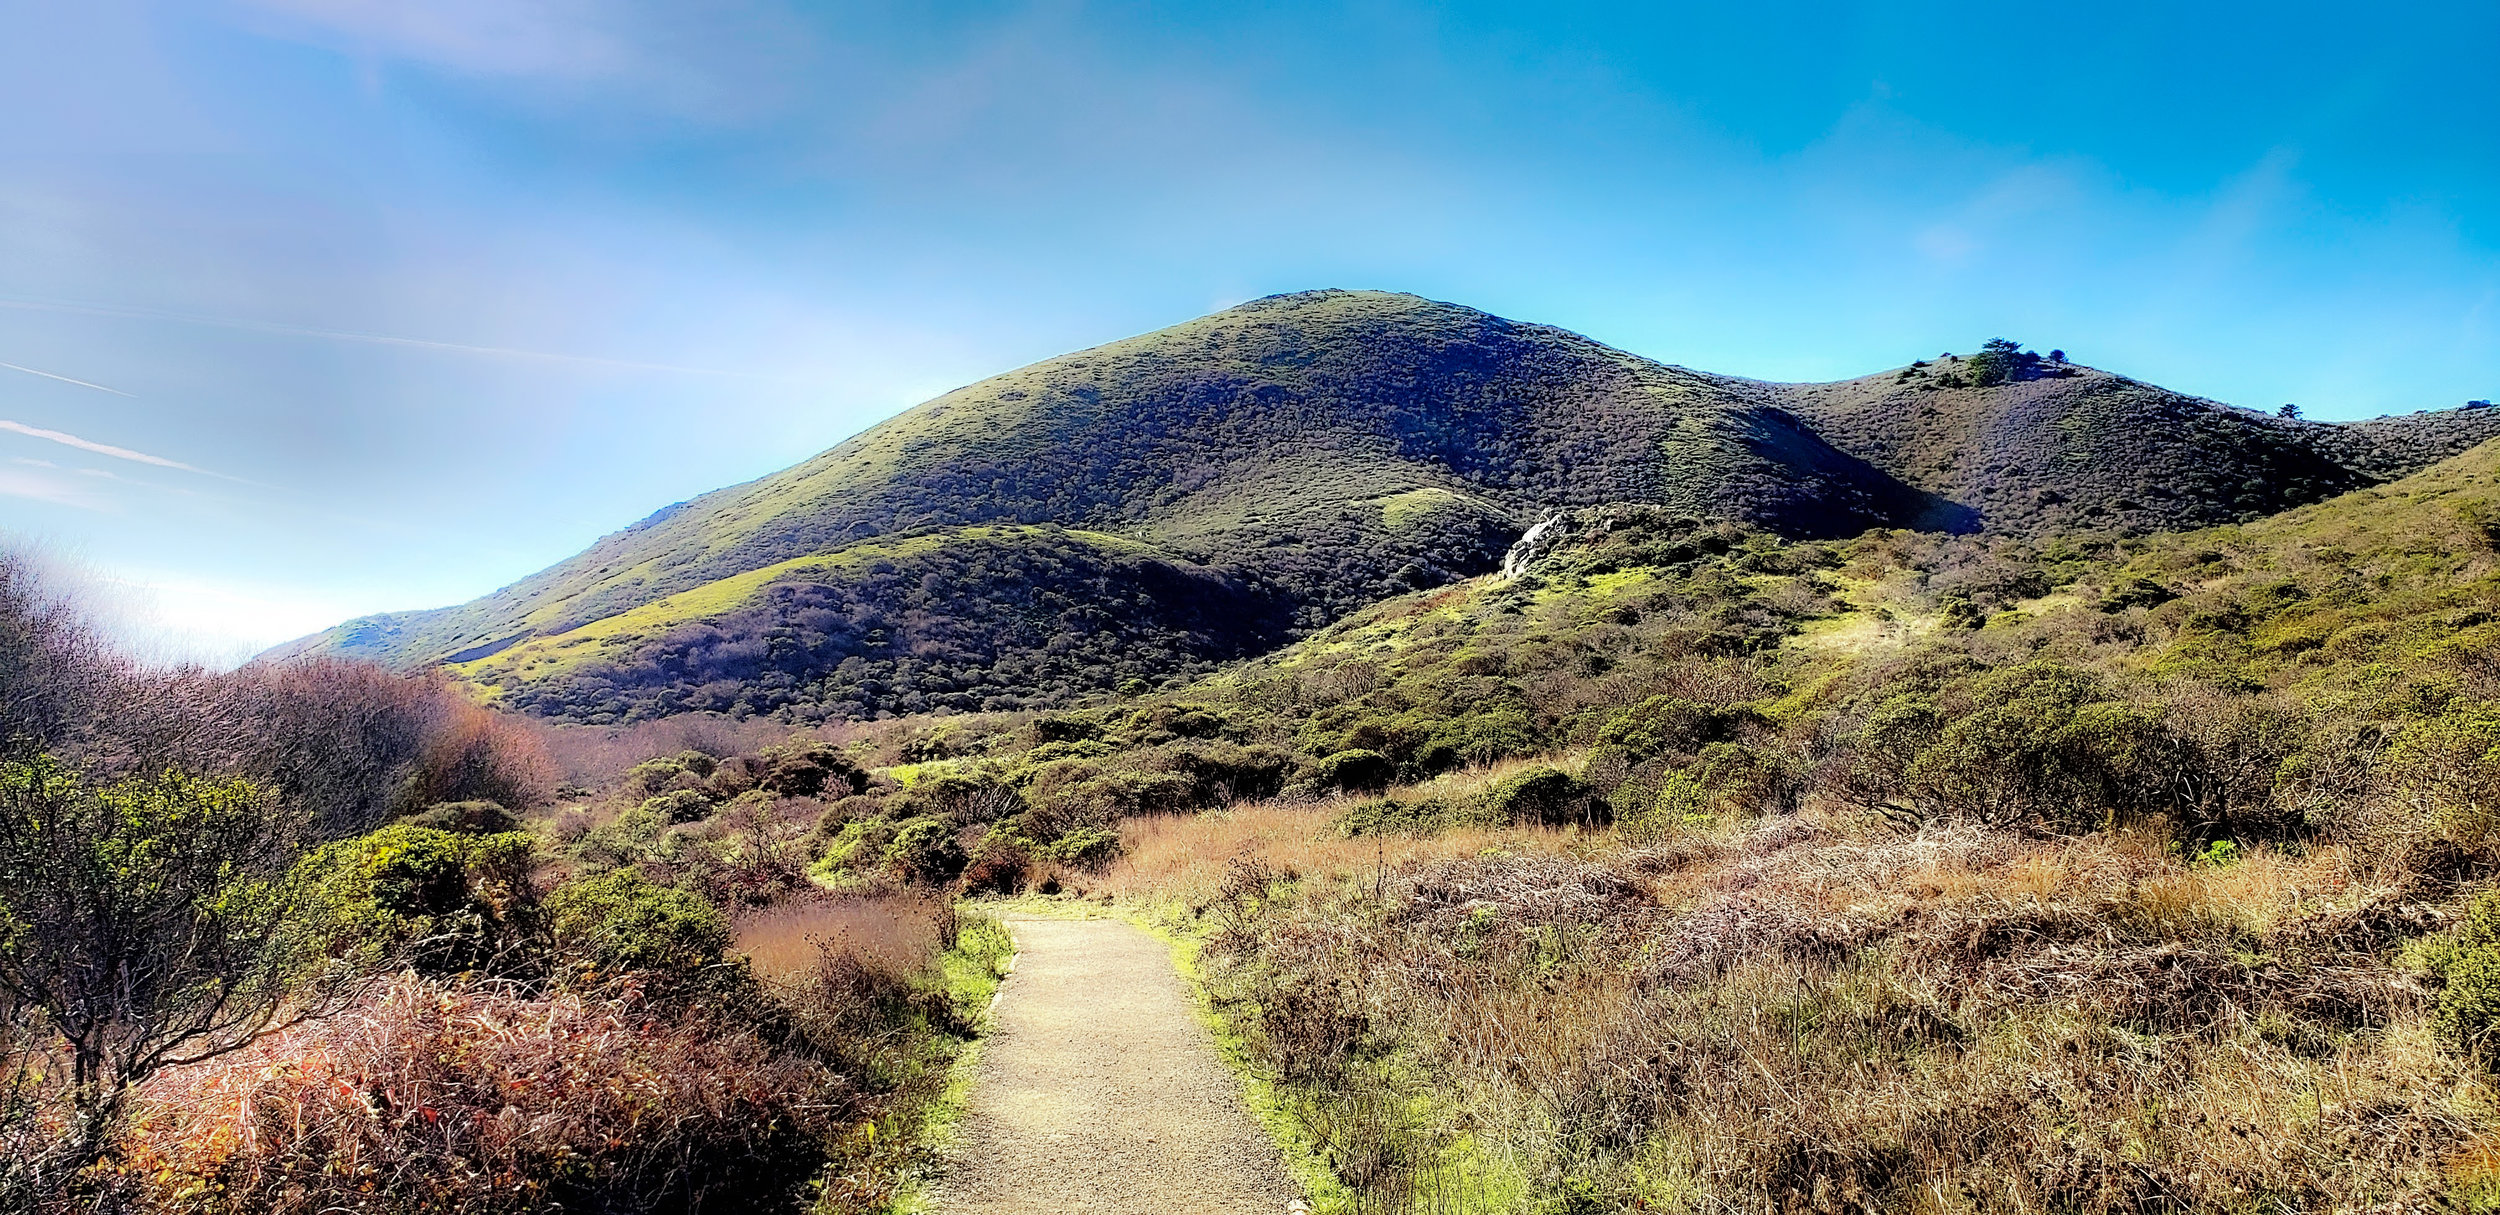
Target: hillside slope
(1312, 454)
(1328, 448)
(2057, 447)
(956, 619)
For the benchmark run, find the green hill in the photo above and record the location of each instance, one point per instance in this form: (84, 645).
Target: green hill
(1294, 459)
(2037, 447)
(953, 619)
(1323, 450)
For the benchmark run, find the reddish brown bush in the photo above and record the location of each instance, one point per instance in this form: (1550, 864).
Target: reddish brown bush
(475, 754)
(479, 1100)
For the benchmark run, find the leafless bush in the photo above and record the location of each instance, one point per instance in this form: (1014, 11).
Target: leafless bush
(54, 669)
(594, 757)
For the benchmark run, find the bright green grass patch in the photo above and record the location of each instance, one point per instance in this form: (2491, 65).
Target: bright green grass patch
(1621, 582)
(1403, 510)
(908, 775)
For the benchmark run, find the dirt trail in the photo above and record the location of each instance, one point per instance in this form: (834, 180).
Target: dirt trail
(1100, 1091)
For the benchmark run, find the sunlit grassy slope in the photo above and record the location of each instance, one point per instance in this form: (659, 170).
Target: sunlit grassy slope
(2384, 601)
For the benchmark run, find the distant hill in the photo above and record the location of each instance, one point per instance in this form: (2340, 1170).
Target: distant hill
(2055, 447)
(1144, 509)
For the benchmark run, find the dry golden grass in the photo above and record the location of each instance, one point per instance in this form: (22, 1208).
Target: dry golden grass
(893, 933)
(1184, 857)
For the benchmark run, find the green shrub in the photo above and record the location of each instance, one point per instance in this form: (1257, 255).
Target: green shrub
(1681, 805)
(1750, 780)
(1543, 795)
(1663, 725)
(2467, 964)
(2134, 591)
(1606, 767)
(679, 806)
(1084, 848)
(653, 775)
(468, 818)
(1387, 816)
(998, 865)
(1075, 748)
(1476, 735)
(1222, 773)
(1076, 791)
(958, 798)
(1361, 770)
(2034, 742)
(855, 845)
(925, 850)
(1048, 730)
(1182, 721)
(2452, 764)
(622, 922)
(627, 839)
(440, 901)
(810, 769)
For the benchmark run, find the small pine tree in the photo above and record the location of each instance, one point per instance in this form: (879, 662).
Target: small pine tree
(1997, 361)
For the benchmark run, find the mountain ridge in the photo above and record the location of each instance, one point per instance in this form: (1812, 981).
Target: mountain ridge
(1324, 450)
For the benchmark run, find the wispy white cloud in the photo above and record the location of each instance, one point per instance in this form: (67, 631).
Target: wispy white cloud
(66, 439)
(65, 379)
(106, 474)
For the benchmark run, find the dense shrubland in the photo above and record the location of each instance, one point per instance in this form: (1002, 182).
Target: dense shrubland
(291, 939)
(944, 621)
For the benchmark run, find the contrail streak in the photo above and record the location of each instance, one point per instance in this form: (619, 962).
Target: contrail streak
(377, 339)
(66, 380)
(66, 439)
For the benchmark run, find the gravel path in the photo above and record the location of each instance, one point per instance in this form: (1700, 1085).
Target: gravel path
(1101, 1092)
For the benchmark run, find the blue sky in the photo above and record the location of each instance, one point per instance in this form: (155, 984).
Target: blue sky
(383, 303)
